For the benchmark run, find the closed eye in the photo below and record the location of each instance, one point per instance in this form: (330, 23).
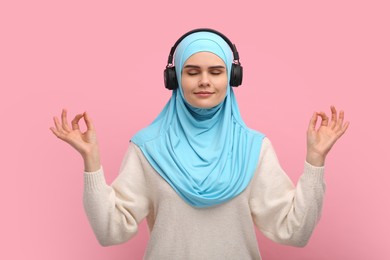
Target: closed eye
(192, 72)
(216, 72)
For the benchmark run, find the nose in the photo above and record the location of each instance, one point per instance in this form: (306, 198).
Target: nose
(204, 80)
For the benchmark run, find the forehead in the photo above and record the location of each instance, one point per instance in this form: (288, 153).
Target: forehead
(204, 59)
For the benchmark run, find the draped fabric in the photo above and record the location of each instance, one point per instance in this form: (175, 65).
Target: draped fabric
(208, 156)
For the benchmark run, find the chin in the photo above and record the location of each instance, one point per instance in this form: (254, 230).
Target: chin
(203, 105)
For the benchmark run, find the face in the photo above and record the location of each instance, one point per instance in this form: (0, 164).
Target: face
(204, 80)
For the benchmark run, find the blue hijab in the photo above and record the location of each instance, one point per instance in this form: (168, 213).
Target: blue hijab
(208, 156)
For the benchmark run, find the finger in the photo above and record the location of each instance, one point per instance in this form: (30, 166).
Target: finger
(88, 121)
(55, 132)
(65, 120)
(340, 121)
(345, 127)
(313, 122)
(75, 122)
(58, 125)
(333, 121)
(59, 132)
(324, 119)
(342, 130)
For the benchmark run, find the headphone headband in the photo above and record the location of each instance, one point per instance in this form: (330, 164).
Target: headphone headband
(231, 45)
(170, 79)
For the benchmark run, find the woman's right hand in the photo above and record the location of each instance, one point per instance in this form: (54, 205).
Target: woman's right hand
(85, 143)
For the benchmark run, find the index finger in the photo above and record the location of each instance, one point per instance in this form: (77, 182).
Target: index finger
(75, 122)
(324, 118)
(88, 121)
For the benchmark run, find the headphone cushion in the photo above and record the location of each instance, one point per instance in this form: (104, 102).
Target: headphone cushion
(170, 79)
(236, 75)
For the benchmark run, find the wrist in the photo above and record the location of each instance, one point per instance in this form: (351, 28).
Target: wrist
(315, 159)
(91, 165)
(92, 161)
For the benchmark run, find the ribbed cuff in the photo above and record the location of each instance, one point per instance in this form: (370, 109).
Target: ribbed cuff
(94, 181)
(314, 174)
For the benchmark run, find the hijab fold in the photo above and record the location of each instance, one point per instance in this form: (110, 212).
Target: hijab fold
(208, 156)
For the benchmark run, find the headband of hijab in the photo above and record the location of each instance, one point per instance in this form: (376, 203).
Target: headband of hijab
(207, 155)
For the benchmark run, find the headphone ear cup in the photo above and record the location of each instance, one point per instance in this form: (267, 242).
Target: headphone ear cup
(170, 79)
(236, 75)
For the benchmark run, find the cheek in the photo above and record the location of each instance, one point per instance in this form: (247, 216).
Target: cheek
(222, 94)
(221, 85)
(185, 84)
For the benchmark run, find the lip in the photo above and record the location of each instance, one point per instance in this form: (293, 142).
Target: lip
(203, 93)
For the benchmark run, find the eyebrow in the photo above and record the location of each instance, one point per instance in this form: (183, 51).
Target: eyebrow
(211, 67)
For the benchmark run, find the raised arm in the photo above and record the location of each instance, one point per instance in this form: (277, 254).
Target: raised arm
(114, 211)
(282, 212)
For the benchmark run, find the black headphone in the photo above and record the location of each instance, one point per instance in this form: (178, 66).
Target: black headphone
(170, 79)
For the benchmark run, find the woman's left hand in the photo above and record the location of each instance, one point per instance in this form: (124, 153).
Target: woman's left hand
(321, 140)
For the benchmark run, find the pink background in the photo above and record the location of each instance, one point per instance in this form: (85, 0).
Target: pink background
(107, 57)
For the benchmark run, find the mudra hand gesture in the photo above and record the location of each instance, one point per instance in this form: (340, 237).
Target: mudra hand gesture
(321, 140)
(84, 142)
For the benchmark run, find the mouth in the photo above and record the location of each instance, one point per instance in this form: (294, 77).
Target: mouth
(203, 93)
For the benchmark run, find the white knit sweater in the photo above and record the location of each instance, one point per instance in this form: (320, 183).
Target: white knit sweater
(282, 212)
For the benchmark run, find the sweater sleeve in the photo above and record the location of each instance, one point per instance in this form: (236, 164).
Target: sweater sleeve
(114, 211)
(282, 212)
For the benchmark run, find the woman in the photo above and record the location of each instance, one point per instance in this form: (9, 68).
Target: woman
(198, 174)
